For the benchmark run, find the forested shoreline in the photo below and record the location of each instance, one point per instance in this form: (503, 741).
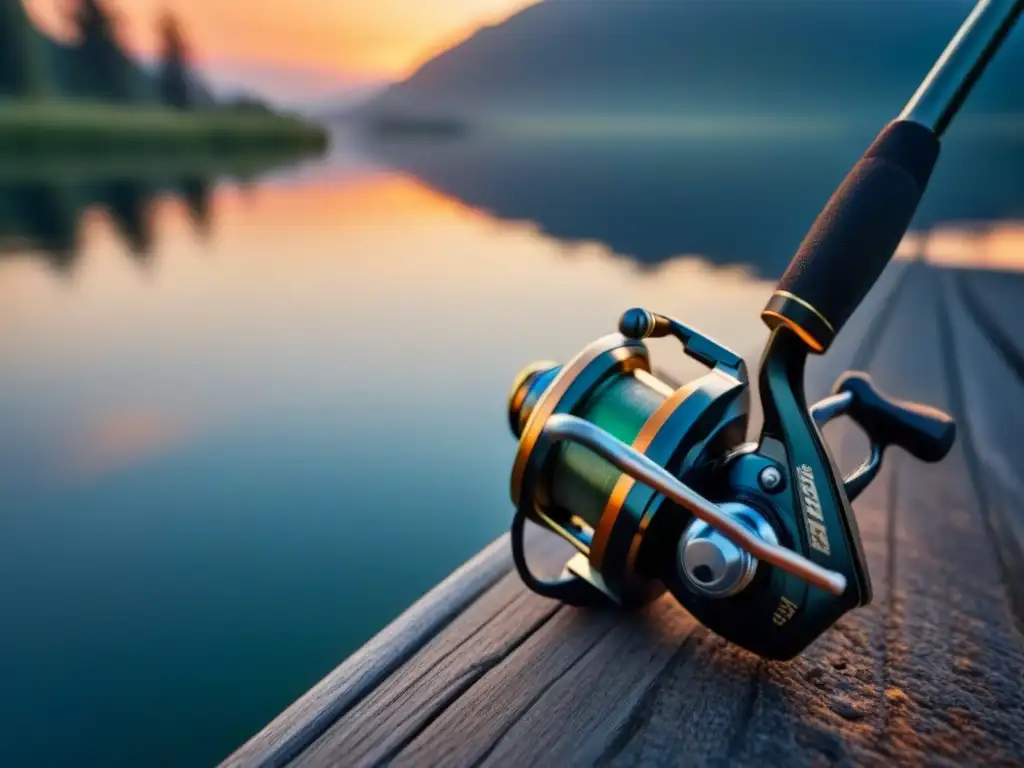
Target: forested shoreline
(90, 94)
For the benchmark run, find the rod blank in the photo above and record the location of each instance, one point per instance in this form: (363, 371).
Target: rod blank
(951, 79)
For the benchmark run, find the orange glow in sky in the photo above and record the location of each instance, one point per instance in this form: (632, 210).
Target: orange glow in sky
(361, 40)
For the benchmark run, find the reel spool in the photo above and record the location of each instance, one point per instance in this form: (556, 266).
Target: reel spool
(603, 512)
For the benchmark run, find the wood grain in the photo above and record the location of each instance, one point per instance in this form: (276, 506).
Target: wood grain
(305, 720)
(984, 331)
(442, 672)
(932, 673)
(994, 299)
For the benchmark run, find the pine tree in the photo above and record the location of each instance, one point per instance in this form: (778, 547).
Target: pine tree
(174, 85)
(107, 69)
(23, 64)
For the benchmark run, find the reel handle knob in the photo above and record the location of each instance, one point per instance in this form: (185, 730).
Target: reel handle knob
(925, 432)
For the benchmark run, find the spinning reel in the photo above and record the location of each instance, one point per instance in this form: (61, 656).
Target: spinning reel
(656, 488)
(655, 485)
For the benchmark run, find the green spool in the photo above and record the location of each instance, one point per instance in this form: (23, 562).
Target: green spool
(581, 480)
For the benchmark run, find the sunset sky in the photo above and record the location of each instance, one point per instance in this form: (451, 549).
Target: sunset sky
(295, 51)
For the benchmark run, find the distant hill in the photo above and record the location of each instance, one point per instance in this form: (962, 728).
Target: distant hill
(668, 57)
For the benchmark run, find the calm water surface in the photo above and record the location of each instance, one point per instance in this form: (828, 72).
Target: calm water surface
(236, 443)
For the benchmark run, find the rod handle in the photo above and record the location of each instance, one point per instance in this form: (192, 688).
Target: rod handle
(855, 236)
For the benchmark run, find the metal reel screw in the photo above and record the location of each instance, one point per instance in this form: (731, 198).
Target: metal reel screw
(770, 479)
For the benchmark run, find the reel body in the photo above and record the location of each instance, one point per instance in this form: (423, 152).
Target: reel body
(655, 488)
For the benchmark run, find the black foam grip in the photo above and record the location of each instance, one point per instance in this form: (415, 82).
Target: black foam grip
(858, 232)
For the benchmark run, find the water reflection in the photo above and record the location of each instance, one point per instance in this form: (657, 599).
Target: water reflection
(743, 200)
(43, 203)
(196, 192)
(43, 217)
(39, 216)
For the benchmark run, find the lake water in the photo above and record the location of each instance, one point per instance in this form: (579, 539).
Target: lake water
(243, 426)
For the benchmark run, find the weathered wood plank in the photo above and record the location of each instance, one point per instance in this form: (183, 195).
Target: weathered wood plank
(954, 663)
(994, 298)
(305, 720)
(444, 670)
(467, 732)
(588, 714)
(988, 385)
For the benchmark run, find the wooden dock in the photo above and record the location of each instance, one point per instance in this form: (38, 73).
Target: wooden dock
(482, 672)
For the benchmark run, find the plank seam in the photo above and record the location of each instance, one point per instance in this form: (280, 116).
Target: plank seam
(872, 338)
(737, 742)
(534, 699)
(893, 622)
(470, 678)
(422, 628)
(464, 679)
(989, 327)
(485, 624)
(1009, 554)
(641, 713)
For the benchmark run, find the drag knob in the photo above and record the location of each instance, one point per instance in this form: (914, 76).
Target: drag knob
(527, 388)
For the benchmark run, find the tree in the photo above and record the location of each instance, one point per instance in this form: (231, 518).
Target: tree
(174, 81)
(107, 70)
(23, 64)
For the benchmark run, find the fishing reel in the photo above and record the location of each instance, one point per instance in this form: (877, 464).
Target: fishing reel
(654, 485)
(656, 488)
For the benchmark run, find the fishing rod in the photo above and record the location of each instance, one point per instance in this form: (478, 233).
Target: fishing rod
(657, 488)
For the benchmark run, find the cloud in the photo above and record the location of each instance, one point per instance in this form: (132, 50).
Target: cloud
(121, 438)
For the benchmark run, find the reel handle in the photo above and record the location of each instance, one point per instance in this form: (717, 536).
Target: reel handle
(926, 433)
(561, 427)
